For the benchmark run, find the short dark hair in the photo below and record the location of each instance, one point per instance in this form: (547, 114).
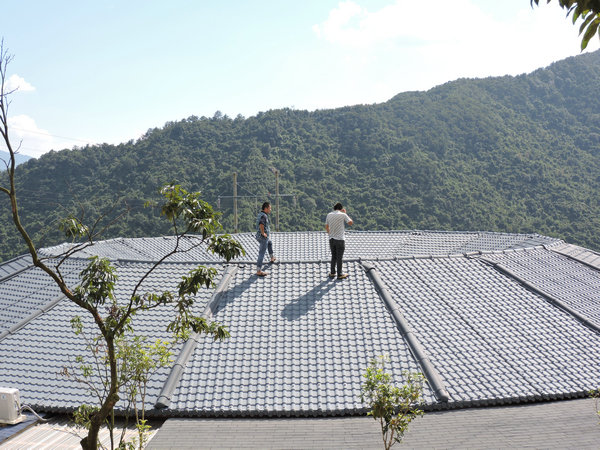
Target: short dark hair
(265, 205)
(338, 206)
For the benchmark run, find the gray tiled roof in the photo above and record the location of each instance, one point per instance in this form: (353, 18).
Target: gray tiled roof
(565, 279)
(33, 357)
(481, 314)
(297, 346)
(577, 253)
(30, 291)
(488, 336)
(141, 249)
(13, 266)
(314, 245)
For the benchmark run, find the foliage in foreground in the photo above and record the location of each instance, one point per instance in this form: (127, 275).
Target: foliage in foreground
(586, 10)
(117, 358)
(121, 365)
(394, 407)
(137, 361)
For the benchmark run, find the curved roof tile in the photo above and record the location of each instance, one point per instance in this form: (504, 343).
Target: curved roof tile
(300, 342)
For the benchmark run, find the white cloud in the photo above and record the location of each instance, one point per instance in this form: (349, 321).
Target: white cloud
(28, 138)
(416, 50)
(352, 25)
(15, 82)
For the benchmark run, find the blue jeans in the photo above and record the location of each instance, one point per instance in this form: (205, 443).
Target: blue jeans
(264, 244)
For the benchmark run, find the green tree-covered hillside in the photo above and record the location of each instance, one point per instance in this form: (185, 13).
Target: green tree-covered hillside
(514, 154)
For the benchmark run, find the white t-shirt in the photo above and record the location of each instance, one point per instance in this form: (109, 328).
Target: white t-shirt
(336, 221)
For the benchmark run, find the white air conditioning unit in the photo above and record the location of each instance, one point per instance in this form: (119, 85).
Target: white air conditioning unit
(10, 406)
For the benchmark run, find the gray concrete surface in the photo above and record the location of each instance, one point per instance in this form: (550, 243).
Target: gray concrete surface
(571, 424)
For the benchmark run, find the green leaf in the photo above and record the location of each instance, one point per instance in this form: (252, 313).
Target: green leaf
(585, 23)
(591, 31)
(97, 282)
(73, 228)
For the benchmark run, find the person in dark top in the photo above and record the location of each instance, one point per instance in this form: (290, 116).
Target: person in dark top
(263, 236)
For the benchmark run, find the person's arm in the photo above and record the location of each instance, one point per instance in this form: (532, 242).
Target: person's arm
(262, 230)
(327, 227)
(349, 221)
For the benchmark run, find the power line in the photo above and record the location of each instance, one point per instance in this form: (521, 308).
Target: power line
(51, 135)
(235, 198)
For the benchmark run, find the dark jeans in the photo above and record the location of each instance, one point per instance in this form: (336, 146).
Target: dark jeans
(337, 253)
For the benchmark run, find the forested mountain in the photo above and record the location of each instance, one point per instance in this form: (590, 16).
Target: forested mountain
(4, 156)
(513, 154)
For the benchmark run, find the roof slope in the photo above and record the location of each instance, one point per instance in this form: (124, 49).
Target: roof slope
(491, 338)
(34, 357)
(27, 291)
(297, 345)
(489, 318)
(314, 245)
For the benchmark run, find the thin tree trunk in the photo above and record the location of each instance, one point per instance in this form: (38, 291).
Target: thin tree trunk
(90, 442)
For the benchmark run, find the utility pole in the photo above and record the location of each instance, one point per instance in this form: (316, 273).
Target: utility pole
(235, 213)
(276, 200)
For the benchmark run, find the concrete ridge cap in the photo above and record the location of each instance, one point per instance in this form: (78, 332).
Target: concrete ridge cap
(559, 244)
(362, 260)
(166, 393)
(34, 315)
(577, 257)
(150, 261)
(16, 272)
(578, 247)
(23, 256)
(431, 374)
(430, 256)
(305, 261)
(549, 297)
(510, 250)
(525, 249)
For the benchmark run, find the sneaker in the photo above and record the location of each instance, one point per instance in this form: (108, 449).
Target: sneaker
(273, 259)
(260, 273)
(342, 276)
(332, 275)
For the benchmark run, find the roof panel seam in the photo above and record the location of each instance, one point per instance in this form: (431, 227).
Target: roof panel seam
(31, 317)
(577, 257)
(550, 298)
(166, 394)
(15, 273)
(431, 374)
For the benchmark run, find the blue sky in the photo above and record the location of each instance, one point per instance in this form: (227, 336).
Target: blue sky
(94, 72)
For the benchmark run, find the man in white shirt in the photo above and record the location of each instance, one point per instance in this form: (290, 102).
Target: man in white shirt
(335, 225)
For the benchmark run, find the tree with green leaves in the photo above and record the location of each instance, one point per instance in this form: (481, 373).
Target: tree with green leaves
(394, 407)
(137, 360)
(586, 10)
(188, 215)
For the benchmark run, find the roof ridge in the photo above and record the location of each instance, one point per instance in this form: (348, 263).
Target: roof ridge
(431, 373)
(27, 265)
(43, 309)
(549, 297)
(576, 254)
(168, 389)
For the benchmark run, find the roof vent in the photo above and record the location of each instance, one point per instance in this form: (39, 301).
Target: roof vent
(10, 406)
